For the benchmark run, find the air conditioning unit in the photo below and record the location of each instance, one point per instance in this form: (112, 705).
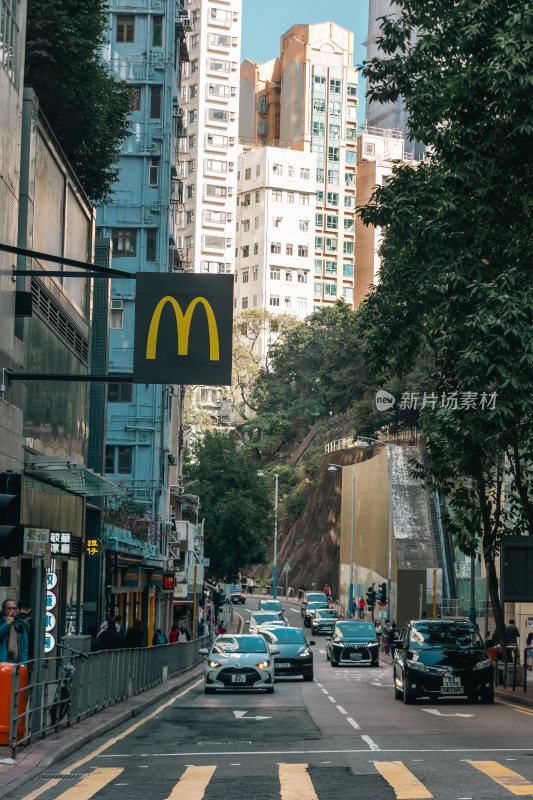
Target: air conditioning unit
(228, 242)
(230, 191)
(231, 166)
(232, 140)
(234, 65)
(232, 116)
(171, 460)
(233, 90)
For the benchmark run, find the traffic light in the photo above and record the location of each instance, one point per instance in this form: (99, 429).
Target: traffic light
(382, 599)
(11, 532)
(371, 597)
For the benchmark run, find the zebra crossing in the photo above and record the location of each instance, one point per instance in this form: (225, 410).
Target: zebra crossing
(294, 782)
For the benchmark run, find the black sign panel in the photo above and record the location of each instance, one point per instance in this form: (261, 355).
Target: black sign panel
(517, 557)
(183, 329)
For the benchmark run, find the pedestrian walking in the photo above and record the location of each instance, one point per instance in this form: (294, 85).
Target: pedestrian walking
(24, 618)
(200, 628)
(174, 634)
(529, 650)
(110, 638)
(393, 635)
(511, 637)
(13, 636)
(301, 591)
(134, 635)
(327, 591)
(159, 638)
(362, 608)
(184, 631)
(221, 628)
(95, 641)
(379, 633)
(386, 635)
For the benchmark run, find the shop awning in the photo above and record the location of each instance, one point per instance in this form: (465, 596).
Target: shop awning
(71, 477)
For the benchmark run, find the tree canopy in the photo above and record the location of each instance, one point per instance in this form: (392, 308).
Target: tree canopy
(87, 108)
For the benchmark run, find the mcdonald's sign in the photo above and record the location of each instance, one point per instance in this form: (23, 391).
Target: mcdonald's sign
(183, 329)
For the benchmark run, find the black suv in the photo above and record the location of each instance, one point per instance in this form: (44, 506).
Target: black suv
(435, 658)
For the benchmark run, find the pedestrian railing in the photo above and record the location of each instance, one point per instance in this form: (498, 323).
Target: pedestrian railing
(339, 444)
(62, 690)
(507, 669)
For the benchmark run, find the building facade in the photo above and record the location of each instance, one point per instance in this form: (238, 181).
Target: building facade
(318, 114)
(209, 150)
(275, 234)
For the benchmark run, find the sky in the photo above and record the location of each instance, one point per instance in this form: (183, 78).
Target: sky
(264, 21)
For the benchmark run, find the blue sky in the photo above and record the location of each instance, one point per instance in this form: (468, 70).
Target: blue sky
(264, 21)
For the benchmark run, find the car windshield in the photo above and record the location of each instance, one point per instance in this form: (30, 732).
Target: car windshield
(316, 596)
(271, 605)
(321, 604)
(264, 616)
(326, 613)
(239, 644)
(235, 589)
(428, 635)
(286, 636)
(356, 629)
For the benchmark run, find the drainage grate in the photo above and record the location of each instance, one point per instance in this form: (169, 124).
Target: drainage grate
(74, 776)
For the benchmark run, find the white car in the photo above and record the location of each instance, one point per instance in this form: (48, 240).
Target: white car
(239, 662)
(259, 618)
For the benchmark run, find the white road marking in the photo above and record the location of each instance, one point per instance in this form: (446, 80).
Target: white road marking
(440, 714)
(325, 691)
(353, 723)
(235, 765)
(241, 715)
(342, 710)
(331, 699)
(318, 684)
(316, 752)
(371, 743)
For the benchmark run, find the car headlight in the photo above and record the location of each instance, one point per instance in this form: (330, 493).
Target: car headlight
(483, 664)
(372, 644)
(336, 641)
(416, 665)
(263, 664)
(305, 653)
(213, 664)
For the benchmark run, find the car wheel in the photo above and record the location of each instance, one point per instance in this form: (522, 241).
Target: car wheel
(327, 655)
(269, 690)
(209, 690)
(398, 694)
(488, 697)
(334, 663)
(375, 664)
(472, 698)
(308, 677)
(407, 696)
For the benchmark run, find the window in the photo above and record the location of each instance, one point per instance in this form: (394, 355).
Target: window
(109, 459)
(333, 199)
(319, 129)
(274, 300)
(248, 174)
(349, 225)
(319, 220)
(116, 320)
(303, 225)
(370, 149)
(319, 242)
(194, 40)
(304, 199)
(318, 266)
(190, 191)
(332, 222)
(217, 115)
(317, 289)
(124, 460)
(302, 303)
(157, 32)
(331, 245)
(302, 277)
(125, 28)
(320, 83)
(245, 250)
(288, 250)
(276, 221)
(351, 134)
(319, 105)
(330, 290)
(246, 199)
(155, 102)
(320, 197)
(288, 277)
(277, 169)
(254, 300)
(258, 196)
(244, 302)
(194, 66)
(216, 165)
(275, 274)
(218, 65)
(290, 172)
(348, 248)
(193, 91)
(124, 242)
(218, 90)
(304, 173)
(213, 190)
(189, 217)
(334, 109)
(135, 98)
(349, 201)
(246, 225)
(216, 140)
(351, 90)
(245, 276)
(10, 39)
(256, 223)
(151, 244)
(335, 85)
(214, 242)
(153, 173)
(119, 392)
(333, 176)
(351, 113)
(287, 302)
(331, 268)
(350, 157)
(275, 247)
(347, 293)
(290, 198)
(255, 270)
(219, 40)
(256, 248)
(334, 131)
(277, 196)
(192, 141)
(303, 250)
(347, 270)
(349, 180)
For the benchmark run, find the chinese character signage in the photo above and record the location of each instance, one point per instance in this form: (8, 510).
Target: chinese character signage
(92, 547)
(183, 329)
(60, 543)
(168, 582)
(35, 537)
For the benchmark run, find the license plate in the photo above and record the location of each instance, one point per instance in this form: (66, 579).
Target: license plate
(238, 678)
(452, 690)
(356, 656)
(452, 683)
(282, 664)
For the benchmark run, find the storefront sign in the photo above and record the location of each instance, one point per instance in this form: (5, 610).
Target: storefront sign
(168, 582)
(51, 580)
(49, 643)
(61, 542)
(92, 547)
(35, 536)
(130, 576)
(49, 621)
(156, 578)
(51, 601)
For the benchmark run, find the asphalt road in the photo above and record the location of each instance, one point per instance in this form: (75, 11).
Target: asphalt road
(341, 737)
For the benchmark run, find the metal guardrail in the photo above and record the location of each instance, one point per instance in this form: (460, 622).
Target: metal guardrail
(339, 444)
(62, 696)
(511, 664)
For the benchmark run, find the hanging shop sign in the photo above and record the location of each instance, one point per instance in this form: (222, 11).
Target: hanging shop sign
(156, 578)
(61, 543)
(130, 576)
(92, 548)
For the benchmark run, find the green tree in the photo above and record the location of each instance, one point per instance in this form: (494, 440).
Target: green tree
(235, 501)
(455, 260)
(87, 108)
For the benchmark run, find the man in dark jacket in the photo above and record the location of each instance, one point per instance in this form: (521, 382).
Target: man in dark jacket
(13, 637)
(110, 638)
(24, 618)
(135, 635)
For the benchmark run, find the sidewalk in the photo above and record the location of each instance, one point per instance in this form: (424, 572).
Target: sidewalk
(41, 753)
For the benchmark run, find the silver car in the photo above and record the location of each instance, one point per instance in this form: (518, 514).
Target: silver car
(259, 618)
(239, 662)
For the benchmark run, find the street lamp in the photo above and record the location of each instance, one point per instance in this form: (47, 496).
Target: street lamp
(275, 566)
(333, 468)
(363, 442)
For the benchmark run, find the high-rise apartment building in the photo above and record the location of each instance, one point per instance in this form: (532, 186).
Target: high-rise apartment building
(209, 150)
(275, 234)
(317, 113)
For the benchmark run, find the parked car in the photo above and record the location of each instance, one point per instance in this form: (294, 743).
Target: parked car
(312, 597)
(435, 658)
(294, 654)
(353, 642)
(259, 618)
(236, 595)
(323, 620)
(270, 605)
(310, 610)
(238, 662)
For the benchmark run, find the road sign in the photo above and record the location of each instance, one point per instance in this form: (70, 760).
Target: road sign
(430, 573)
(201, 561)
(286, 568)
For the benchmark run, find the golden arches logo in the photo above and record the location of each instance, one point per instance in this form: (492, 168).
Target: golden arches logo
(183, 323)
